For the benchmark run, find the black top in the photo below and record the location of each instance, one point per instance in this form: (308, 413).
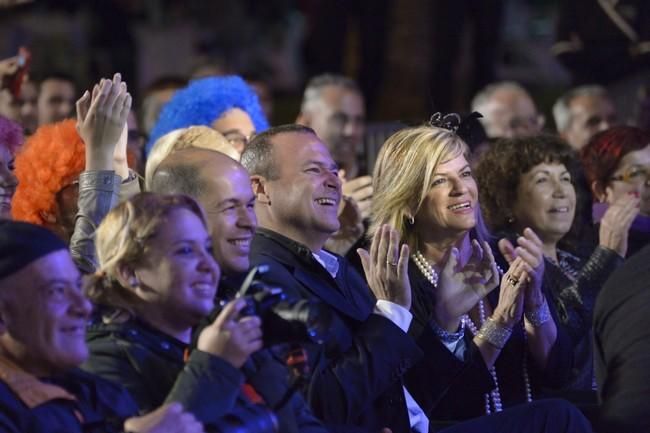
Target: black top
(622, 346)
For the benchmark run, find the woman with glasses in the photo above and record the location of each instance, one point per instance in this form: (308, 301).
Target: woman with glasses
(616, 163)
(529, 182)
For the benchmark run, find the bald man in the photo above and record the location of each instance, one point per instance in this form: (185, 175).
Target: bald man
(222, 186)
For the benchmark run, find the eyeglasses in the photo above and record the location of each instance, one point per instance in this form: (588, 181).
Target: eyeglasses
(238, 140)
(636, 175)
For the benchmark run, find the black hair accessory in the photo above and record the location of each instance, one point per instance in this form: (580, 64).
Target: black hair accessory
(468, 128)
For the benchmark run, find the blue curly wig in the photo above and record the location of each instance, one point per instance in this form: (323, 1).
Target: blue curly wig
(203, 101)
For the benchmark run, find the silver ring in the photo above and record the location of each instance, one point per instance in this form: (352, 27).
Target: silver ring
(391, 263)
(512, 280)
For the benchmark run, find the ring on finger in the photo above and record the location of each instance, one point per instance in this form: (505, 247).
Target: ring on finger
(389, 263)
(513, 280)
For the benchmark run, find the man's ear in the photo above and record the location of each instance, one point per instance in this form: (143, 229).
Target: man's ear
(260, 189)
(303, 119)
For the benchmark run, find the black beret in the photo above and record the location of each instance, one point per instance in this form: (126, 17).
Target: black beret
(21, 243)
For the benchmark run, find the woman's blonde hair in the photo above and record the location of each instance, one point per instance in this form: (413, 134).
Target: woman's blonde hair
(403, 175)
(200, 137)
(122, 238)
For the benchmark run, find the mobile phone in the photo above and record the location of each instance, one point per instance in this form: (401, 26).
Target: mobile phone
(17, 80)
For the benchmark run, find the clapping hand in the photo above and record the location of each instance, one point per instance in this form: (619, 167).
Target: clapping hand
(386, 267)
(529, 248)
(350, 230)
(616, 223)
(360, 190)
(101, 122)
(461, 287)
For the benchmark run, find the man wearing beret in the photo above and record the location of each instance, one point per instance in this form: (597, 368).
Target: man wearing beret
(43, 315)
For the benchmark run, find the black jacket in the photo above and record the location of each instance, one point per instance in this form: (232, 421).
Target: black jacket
(356, 378)
(150, 365)
(102, 405)
(622, 346)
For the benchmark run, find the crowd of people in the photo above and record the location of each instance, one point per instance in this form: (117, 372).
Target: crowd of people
(208, 271)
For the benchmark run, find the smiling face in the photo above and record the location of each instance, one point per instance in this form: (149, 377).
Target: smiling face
(8, 181)
(178, 277)
(304, 199)
(633, 173)
(449, 208)
(230, 204)
(44, 314)
(546, 201)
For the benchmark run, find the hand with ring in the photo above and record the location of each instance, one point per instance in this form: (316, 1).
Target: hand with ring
(511, 295)
(386, 267)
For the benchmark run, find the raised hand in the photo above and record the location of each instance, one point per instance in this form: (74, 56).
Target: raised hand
(168, 418)
(101, 120)
(529, 248)
(386, 267)
(460, 288)
(512, 293)
(616, 223)
(360, 190)
(350, 229)
(231, 337)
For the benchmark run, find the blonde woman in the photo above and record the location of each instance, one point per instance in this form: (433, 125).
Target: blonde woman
(424, 187)
(157, 280)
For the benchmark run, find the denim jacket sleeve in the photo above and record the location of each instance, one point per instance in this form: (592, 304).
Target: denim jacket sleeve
(98, 194)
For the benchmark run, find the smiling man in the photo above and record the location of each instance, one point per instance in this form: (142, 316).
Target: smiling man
(43, 316)
(222, 186)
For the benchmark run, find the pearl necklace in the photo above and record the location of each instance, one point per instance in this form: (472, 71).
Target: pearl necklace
(493, 396)
(426, 269)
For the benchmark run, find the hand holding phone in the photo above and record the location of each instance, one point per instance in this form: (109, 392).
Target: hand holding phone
(13, 71)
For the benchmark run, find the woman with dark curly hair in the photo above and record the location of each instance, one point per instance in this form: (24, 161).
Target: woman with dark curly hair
(529, 182)
(616, 163)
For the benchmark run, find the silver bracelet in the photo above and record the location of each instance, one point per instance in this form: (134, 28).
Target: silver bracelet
(494, 333)
(540, 316)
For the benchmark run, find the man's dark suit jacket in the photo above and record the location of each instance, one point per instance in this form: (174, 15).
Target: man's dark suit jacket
(358, 380)
(622, 346)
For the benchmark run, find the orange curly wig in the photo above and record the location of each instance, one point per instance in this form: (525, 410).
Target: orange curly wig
(50, 160)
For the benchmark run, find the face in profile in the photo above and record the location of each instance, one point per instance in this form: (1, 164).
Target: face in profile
(546, 201)
(177, 277)
(8, 181)
(306, 195)
(632, 177)
(44, 314)
(450, 205)
(238, 128)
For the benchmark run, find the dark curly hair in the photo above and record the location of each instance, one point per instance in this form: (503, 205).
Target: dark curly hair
(507, 160)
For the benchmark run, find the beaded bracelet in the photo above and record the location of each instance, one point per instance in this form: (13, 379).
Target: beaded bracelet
(446, 336)
(494, 333)
(540, 316)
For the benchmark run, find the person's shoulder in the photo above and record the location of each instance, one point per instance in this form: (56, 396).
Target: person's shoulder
(110, 395)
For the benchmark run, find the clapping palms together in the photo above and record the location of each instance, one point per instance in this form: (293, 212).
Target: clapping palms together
(461, 287)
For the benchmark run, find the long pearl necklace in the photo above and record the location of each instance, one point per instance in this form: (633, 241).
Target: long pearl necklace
(493, 396)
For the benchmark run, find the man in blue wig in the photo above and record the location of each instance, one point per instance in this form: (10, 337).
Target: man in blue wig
(226, 104)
